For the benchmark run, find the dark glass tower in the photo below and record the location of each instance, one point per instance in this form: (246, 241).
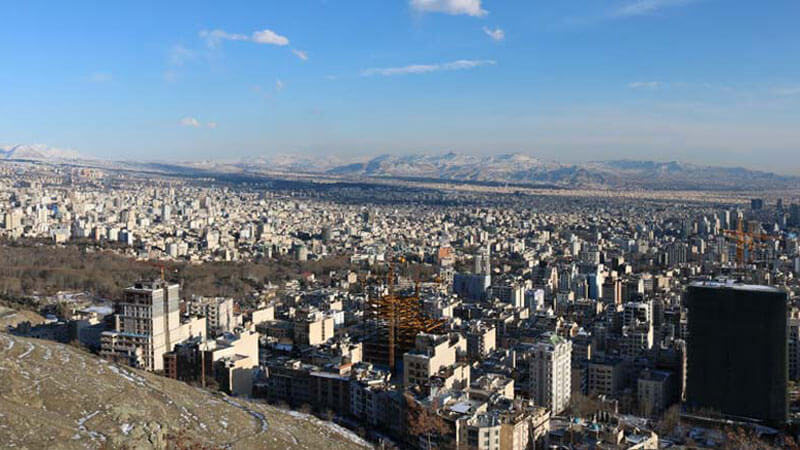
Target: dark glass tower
(737, 351)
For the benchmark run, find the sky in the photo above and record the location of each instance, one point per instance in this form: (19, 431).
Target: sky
(706, 81)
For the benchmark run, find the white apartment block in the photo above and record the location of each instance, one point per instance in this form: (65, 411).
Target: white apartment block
(550, 373)
(146, 325)
(432, 353)
(218, 312)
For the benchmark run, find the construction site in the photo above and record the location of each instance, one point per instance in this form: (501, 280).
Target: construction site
(391, 323)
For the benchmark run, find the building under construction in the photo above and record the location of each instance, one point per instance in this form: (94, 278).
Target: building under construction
(391, 324)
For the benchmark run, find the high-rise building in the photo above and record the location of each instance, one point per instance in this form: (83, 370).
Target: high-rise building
(551, 373)
(737, 350)
(218, 312)
(483, 262)
(794, 345)
(146, 325)
(12, 219)
(794, 214)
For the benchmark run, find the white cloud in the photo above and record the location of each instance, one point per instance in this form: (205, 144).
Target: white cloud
(100, 77)
(269, 37)
(468, 7)
(645, 85)
(190, 122)
(643, 7)
(179, 55)
(170, 76)
(279, 85)
(194, 123)
(787, 91)
(300, 54)
(462, 64)
(215, 37)
(497, 34)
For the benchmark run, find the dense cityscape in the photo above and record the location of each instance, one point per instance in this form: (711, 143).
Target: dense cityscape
(447, 318)
(406, 224)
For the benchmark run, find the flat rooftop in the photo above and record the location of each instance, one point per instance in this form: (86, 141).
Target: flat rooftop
(736, 286)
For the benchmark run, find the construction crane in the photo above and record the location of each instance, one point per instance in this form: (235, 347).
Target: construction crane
(745, 240)
(160, 266)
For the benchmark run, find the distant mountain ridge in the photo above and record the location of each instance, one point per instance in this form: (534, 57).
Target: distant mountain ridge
(37, 152)
(507, 168)
(517, 168)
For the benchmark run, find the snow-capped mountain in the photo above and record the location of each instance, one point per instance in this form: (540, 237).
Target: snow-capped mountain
(37, 152)
(524, 169)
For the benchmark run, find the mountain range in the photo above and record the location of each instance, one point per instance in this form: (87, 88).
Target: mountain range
(521, 169)
(512, 169)
(37, 152)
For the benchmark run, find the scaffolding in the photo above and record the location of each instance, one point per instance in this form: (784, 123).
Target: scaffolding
(391, 324)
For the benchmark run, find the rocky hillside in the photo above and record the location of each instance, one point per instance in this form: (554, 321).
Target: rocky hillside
(10, 317)
(59, 397)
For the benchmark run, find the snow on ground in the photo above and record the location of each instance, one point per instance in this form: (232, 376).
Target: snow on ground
(10, 343)
(27, 351)
(338, 429)
(260, 417)
(84, 419)
(133, 378)
(347, 434)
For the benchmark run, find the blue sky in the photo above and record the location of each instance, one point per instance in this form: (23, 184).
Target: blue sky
(708, 81)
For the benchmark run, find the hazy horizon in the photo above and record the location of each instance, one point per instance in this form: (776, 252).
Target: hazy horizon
(700, 81)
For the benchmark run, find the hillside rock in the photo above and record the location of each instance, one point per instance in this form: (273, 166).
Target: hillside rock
(59, 397)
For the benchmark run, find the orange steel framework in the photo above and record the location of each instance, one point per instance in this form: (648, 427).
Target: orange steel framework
(744, 240)
(392, 323)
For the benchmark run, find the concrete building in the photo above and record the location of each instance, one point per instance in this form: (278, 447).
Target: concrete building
(218, 312)
(481, 339)
(432, 353)
(234, 357)
(605, 377)
(551, 374)
(312, 327)
(146, 325)
(655, 392)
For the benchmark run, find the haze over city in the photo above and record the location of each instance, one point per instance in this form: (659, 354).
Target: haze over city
(704, 81)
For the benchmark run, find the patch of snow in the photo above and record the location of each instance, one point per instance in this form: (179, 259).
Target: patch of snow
(260, 417)
(27, 351)
(83, 419)
(347, 434)
(338, 429)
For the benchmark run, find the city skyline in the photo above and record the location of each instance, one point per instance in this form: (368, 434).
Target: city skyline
(702, 81)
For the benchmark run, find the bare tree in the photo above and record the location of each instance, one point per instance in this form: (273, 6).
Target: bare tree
(424, 422)
(669, 421)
